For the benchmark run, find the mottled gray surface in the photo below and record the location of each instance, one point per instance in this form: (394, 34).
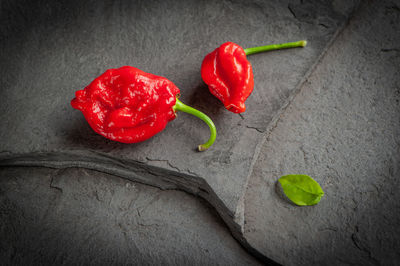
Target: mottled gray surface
(49, 49)
(343, 129)
(80, 217)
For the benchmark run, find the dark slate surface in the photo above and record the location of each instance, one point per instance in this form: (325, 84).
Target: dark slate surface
(49, 49)
(83, 217)
(343, 129)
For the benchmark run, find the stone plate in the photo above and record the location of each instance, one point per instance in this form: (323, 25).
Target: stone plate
(50, 49)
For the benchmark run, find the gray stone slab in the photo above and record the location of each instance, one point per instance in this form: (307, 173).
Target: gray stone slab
(80, 217)
(343, 129)
(49, 49)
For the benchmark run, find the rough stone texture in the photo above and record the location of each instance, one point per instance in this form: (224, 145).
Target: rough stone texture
(80, 217)
(49, 49)
(343, 129)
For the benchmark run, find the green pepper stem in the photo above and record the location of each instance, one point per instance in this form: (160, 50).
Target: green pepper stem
(179, 106)
(254, 50)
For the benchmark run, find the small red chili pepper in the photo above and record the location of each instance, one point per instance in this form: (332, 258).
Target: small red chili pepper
(229, 75)
(129, 105)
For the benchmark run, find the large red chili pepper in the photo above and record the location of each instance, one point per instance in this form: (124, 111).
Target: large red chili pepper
(229, 75)
(129, 105)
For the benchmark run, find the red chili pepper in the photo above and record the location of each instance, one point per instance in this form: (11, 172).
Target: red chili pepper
(229, 75)
(129, 105)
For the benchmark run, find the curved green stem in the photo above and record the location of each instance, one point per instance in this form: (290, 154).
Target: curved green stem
(271, 47)
(179, 106)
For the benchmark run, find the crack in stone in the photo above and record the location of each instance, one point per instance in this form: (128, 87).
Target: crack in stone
(394, 7)
(298, 18)
(356, 241)
(323, 25)
(346, 262)
(142, 208)
(96, 195)
(304, 154)
(334, 229)
(147, 225)
(166, 161)
(385, 50)
(51, 185)
(292, 12)
(257, 129)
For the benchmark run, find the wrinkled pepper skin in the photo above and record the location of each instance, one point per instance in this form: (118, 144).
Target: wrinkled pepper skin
(127, 104)
(229, 76)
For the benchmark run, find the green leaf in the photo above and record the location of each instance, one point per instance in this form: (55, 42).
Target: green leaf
(301, 189)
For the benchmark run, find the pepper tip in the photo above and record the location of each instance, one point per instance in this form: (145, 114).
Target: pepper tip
(202, 148)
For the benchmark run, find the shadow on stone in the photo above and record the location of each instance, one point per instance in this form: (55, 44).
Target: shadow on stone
(80, 134)
(203, 100)
(281, 194)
